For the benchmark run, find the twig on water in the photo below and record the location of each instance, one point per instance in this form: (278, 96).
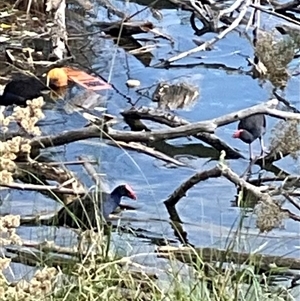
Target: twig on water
(211, 42)
(53, 188)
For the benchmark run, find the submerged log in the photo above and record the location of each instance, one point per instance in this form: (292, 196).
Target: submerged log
(128, 28)
(196, 255)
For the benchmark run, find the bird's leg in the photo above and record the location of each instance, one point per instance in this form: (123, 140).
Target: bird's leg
(250, 151)
(264, 150)
(261, 141)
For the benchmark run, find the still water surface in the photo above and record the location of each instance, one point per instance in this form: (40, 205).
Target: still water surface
(206, 211)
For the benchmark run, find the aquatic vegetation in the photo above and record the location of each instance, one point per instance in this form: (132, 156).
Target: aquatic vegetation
(275, 54)
(285, 138)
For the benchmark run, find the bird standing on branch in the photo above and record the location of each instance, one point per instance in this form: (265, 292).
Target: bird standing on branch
(251, 128)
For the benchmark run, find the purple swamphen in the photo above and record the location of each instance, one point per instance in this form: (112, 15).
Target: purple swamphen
(251, 128)
(82, 213)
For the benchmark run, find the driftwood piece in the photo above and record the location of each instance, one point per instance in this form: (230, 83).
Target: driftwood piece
(39, 172)
(51, 247)
(146, 150)
(205, 45)
(126, 28)
(53, 188)
(189, 255)
(274, 13)
(126, 136)
(181, 131)
(274, 216)
(174, 121)
(283, 7)
(58, 31)
(286, 103)
(181, 191)
(31, 257)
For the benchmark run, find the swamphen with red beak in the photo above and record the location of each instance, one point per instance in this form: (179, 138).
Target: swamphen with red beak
(251, 128)
(82, 213)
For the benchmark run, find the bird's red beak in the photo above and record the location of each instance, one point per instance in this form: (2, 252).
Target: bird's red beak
(131, 193)
(237, 134)
(133, 196)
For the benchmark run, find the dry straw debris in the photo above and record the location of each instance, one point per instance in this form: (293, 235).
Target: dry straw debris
(285, 138)
(275, 54)
(269, 216)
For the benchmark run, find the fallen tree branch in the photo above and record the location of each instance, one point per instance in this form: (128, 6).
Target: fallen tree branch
(262, 108)
(31, 257)
(53, 188)
(270, 215)
(125, 136)
(64, 163)
(189, 255)
(171, 120)
(40, 173)
(181, 131)
(286, 103)
(124, 28)
(274, 13)
(51, 247)
(207, 44)
(178, 132)
(146, 150)
(285, 6)
(93, 174)
(181, 191)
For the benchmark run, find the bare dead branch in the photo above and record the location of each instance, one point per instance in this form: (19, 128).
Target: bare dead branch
(214, 40)
(92, 172)
(189, 255)
(235, 5)
(51, 247)
(292, 201)
(31, 257)
(181, 131)
(260, 193)
(181, 191)
(286, 103)
(171, 120)
(146, 150)
(273, 13)
(53, 188)
(285, 6)
(96, 132)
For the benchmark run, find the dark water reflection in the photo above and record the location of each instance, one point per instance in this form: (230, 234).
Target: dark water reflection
(206, 211)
